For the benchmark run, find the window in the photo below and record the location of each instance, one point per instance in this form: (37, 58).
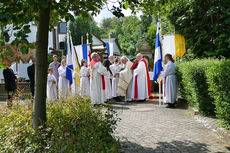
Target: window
(62, 28)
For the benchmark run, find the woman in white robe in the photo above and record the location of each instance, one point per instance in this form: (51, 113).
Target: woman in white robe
(63, 83)
(108, 89)
(84, 79)
(169, 73)
(115, 68)
(51, 86)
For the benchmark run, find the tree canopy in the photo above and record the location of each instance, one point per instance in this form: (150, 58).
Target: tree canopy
(205, 23)
(81, 26)
(130, 31)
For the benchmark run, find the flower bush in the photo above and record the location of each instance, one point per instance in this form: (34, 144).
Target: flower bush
(72, 126)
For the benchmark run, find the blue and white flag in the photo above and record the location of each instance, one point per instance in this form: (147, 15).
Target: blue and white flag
(69, 63)
(158, 53)
(83, 52)
(108, 48)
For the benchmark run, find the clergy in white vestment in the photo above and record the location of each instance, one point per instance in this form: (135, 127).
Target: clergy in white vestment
(115, 68)
(125, 79)
(169, 73)
(97, 80)
(63, 83)
(84, 79)
(108, 76)
(51, 86)
(141, 82)
(111, 59)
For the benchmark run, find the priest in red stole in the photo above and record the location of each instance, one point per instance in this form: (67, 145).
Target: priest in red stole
(141, 81)
(97, 80)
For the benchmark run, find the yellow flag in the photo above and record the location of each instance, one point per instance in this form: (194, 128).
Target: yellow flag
(180, 45)
(76, 66)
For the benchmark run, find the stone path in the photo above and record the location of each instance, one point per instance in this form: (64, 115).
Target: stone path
(147, 128)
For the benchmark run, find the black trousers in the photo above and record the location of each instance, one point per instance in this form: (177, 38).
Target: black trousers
(10, 98)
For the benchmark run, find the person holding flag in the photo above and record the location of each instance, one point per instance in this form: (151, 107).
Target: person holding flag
(63, 83)
(169, 73)
(76, 68)
(84, 80)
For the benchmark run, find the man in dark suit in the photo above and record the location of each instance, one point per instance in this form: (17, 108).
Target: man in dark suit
(31, 73)
(10, 82)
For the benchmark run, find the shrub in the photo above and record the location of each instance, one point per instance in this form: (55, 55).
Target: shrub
(193, 85)
(72, 126)
(219, 88)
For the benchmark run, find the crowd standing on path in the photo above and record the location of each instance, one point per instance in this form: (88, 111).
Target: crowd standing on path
(116, 78)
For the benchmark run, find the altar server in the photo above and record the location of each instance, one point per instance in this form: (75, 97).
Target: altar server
(169, 73)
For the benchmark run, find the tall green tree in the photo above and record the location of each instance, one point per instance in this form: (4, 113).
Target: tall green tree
(81, 26)
(130, 31)
(45, 13)
(205, 25)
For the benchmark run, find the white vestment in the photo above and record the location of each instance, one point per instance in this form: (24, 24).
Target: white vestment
(115, 68)
(97, 93)
(108, 89)
(142, 82)
(84, 82)
(169, 73)
(51, 87)
(63, 83)
(125, 84)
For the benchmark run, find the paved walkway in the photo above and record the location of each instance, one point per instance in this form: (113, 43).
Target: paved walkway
(147, 128)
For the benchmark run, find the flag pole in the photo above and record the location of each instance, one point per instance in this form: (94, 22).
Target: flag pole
(87, 38)
(88, 48)
(82, 40)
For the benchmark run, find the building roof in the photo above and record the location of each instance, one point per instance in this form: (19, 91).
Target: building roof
(100, 44)
(99, 39)
(145, 47)
(113, 40)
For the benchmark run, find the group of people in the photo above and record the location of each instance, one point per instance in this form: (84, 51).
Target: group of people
(112, 79)
(119, 78)
(59, 86)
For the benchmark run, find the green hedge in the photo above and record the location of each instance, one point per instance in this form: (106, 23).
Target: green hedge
(193, 85)
(204, 84)
(72, 126)
(219, 88)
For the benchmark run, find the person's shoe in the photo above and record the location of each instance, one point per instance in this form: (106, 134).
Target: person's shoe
(168, 106)
(141, 100)
(172, 105)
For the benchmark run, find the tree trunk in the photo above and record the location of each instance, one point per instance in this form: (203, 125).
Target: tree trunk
(41, 65)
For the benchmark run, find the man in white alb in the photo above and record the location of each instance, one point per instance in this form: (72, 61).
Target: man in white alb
(141, 81)
(125, 79)
(97, 80)
(115, 68)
